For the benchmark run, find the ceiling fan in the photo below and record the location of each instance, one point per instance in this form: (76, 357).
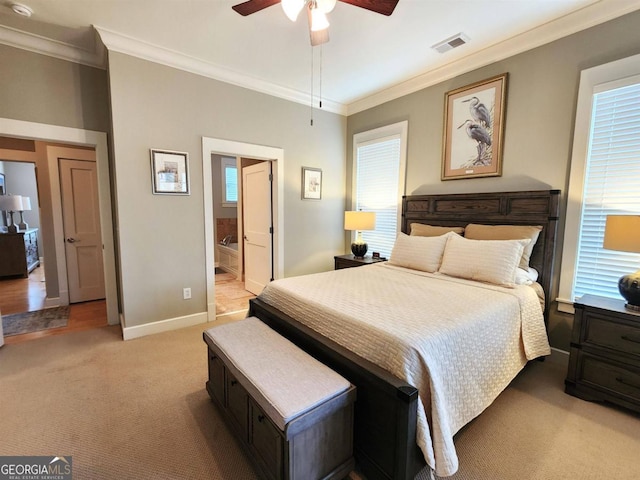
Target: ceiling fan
(316, 12)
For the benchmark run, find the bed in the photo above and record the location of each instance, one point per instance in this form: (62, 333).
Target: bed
(393, 429)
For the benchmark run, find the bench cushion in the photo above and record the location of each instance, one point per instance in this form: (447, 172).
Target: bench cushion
(283, 379)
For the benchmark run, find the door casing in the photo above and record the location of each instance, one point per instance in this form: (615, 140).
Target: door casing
(248, 150)
(98, 141)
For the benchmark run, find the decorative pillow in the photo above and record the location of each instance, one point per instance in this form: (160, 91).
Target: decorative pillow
(526, 277)
(506, 232)
(492, 261)
(419, 253)
(422, 230)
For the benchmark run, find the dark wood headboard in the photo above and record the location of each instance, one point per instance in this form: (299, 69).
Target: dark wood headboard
(537, 207)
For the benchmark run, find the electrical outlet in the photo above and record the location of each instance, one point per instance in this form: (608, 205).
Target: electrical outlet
(186, 293)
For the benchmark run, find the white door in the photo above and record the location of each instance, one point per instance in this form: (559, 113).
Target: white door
(256, 207)
(81, 223)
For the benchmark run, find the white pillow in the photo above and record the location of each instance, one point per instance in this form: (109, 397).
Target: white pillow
(526, 277)
(493, 261)
(418, 253)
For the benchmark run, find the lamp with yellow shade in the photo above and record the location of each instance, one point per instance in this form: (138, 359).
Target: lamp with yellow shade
(359, 221)
(622, 233)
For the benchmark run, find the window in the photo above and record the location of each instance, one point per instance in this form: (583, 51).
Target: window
(379, 161)
(605, 180)
(229, 182)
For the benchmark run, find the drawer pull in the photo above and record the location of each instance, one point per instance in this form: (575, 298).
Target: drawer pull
(234, 383)
(627, 383)
(260, 418)
(630, 339)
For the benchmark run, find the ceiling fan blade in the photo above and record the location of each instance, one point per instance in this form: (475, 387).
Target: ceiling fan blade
(384, 7)
(253, 6)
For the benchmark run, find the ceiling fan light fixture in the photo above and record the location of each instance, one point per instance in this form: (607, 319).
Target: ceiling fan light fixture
(292, 8)
(318, 19)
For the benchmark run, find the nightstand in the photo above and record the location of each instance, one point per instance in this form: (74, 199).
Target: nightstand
(348, 261)
(604, 361)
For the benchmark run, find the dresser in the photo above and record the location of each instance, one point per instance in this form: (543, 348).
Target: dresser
(19, 253)
(604, 361)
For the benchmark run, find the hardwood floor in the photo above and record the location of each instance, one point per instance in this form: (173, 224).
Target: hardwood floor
(28, 294)
(23, 294)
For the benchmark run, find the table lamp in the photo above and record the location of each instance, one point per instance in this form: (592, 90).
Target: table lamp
(26, 205)
(622, 233)
(11, 204)
(359, 221)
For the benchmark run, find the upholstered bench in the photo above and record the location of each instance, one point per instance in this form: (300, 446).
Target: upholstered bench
(293, 413)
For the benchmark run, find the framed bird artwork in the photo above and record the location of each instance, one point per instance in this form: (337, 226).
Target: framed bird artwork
(473, 129)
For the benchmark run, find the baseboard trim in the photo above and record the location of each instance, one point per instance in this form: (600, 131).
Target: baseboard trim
(137, 331)
(559, 356)
(557, 351)
(237, 315)
(51, 302)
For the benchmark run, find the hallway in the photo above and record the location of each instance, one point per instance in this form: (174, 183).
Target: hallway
(19, 295)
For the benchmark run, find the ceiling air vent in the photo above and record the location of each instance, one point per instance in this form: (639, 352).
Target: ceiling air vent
(451, 43)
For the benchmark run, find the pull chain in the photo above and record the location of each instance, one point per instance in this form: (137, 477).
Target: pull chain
(320, 101)
(311, 103)
(320, 92)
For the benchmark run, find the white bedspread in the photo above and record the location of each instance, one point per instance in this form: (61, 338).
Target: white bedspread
(459, 342)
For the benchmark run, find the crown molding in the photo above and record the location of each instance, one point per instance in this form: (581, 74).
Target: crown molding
(589, 16)
(130, 46)
(52, 48)
(582, 19)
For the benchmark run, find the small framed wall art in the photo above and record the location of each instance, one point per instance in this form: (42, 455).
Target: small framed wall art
(169, 172)
(473, 129)
(311, 183)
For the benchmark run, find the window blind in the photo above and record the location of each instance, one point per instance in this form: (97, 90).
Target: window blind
(377, 180)
(230, 184)
(612, 187)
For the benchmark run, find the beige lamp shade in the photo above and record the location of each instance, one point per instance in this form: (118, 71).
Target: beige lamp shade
(11, 203)
(359, 220)
(622, 233)
(26, 204)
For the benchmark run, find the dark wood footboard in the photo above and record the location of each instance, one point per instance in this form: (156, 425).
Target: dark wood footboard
(385, 409)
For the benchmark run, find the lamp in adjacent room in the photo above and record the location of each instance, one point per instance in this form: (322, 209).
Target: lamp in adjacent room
(11, 204)
(622, 233)
(26, 205)
(359, 221)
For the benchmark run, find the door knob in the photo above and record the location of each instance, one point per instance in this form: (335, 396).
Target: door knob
(71, 240)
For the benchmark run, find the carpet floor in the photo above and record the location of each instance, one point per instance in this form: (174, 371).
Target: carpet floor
(19, 323)
(139, 410)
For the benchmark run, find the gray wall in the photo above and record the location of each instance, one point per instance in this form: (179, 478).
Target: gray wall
(540, 113)
(42, 89)
(216, 173)
(38, 88)
(161, 238)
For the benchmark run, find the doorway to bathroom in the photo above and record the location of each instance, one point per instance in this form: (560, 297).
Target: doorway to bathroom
(212, 147)
(243, 258)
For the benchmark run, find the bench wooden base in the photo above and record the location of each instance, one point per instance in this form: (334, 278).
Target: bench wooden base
(315, 445)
